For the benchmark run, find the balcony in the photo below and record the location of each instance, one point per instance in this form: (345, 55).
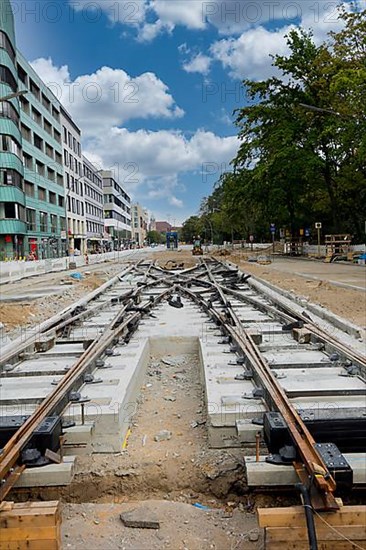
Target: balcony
(13, 227)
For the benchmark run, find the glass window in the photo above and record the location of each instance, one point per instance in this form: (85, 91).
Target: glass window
(6, 45)
(31, 219)
(11, 177)
(7, 111)
(43, 221)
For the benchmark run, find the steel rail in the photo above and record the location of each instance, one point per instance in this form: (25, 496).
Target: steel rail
(12, 450)
(57, 320)
(313, 463)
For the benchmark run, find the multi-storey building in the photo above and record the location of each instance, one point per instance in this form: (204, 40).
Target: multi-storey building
(94, 201)
(74, 185)
(139, 224)
(43, 170)
(13, 226)
(117, 210)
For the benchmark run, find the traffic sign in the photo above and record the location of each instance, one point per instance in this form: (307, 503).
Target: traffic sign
(251, 238)
(273, 228)
(318, 225)
(307, 232)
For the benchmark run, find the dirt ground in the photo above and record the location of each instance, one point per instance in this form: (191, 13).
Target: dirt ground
(182, 527)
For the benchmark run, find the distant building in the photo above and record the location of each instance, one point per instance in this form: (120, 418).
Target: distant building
(117, 210)
(139, 223)
(163, 227)
(152, 224)
(94, 204)
(74, 186)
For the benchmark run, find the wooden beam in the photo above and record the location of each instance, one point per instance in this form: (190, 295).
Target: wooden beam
(294, 516)
(323, 534)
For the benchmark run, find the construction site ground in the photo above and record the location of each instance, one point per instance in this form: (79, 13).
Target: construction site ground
(197, 494)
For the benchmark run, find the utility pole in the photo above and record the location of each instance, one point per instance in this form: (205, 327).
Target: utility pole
(318, 227)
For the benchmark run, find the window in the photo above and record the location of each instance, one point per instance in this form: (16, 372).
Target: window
(53, 218)
(28, 161)
(22, 75)
(47, 126)
(26, 133)
(9, 210)
(49, 151)
(65, 134)
(51, 176)
(62, 224)
(29, 189)
(24, 105)
(7, 45)
(11, 177)
(38, 142)
(61, 201)
(43, 221)
(58, 157)
(31, 219)
(10, 145)
(70, 140)
(34, 89)
(42, 194)
(66, 158)
(6, 77)
(55, 114)
(59, 179)
(46, 103)
(57, 135)
(36, 116)
(52, 197)
(7, 111)
(40, 168)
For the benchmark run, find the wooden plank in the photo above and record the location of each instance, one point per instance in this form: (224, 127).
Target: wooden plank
(40, 504)
(285, 534)
(30, 545)
(28, 534)
(29, 519)
(294, 516)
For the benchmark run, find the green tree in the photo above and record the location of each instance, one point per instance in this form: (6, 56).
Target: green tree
(155, 237)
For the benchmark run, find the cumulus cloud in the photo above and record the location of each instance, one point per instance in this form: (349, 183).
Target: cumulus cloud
(198, 64)
(118, 97)
(249, 55)
(230, 17)
(145, 162)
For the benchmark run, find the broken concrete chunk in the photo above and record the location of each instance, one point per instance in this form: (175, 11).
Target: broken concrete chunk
(164, 435)
(170, 398)
(140, 519)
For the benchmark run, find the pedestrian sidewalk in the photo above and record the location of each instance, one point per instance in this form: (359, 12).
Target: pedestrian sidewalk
(17, 270)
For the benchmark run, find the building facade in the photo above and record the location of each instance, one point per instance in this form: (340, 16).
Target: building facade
(74, 184)
(94, 203)
(43, 170)
(117, 211)
(13, 227)
(139, 221)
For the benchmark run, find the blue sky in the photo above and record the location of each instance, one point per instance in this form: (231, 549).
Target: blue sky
(153, 83)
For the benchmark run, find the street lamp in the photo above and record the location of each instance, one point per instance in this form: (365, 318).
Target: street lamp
(13, 95)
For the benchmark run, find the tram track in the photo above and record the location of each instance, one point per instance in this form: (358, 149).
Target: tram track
(255, 328)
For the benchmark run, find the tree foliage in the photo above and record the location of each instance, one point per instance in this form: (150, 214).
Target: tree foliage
(296, 165)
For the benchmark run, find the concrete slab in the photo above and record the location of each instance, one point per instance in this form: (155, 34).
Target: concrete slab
(262, 474)
(52, 475)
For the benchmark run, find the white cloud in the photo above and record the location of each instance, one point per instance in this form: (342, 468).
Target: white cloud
(176, 202)
(249, 55)
(198, 64)
(150, 164)
(230, 17)
(109, 97)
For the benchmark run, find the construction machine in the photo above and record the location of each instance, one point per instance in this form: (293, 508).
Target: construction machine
(197, 246)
